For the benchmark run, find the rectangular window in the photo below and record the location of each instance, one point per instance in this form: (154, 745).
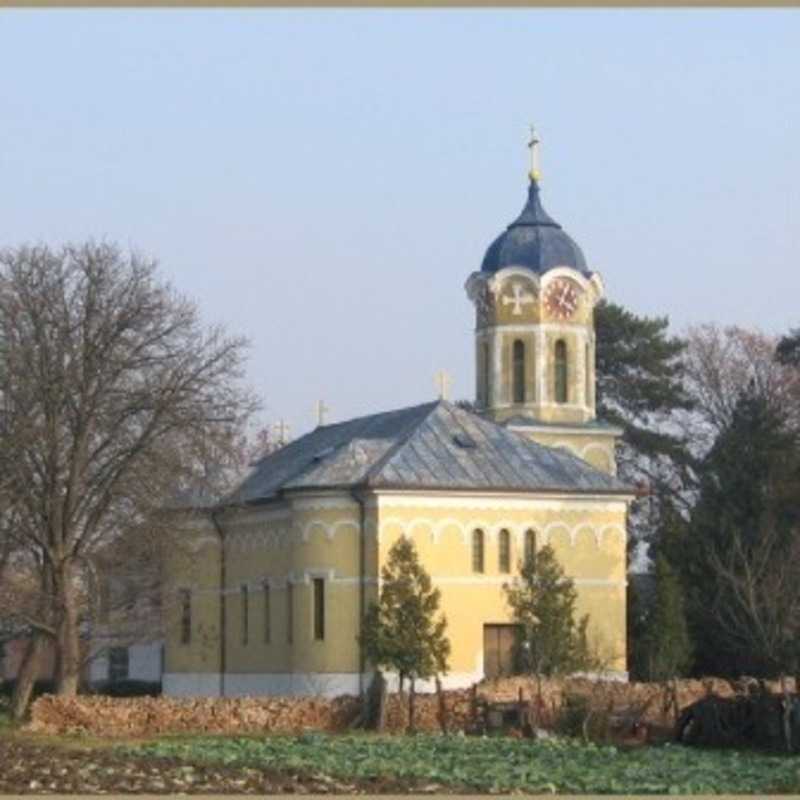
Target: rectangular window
(185, 599)
(267, 614)
(289, 612)
(245, 614)
(319, 609)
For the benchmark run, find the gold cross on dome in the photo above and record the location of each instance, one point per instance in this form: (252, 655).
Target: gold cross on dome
(533, 146)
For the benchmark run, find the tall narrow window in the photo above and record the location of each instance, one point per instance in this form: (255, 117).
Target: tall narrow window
(530, 545)
(519, 371)
(289, 612)
(477, 550)
(561, 371)
(504, 551)
(588, 388)
(319, 609)
(487, 366)
(245, 594)
(267, 613)
(185, 598)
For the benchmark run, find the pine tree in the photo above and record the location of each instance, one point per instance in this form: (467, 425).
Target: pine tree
(401, 631)
(641, 388)
(639, 379)
(543, 602)
(668, 649)
(749, 487)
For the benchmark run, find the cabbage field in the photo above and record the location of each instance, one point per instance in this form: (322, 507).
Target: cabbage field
(496, 764)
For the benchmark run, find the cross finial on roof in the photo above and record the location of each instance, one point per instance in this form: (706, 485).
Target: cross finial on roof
(442, 379)
(322, 410)
(533, 146)
(281, 428)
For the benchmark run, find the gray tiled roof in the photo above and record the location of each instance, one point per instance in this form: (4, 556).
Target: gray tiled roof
(432, 446)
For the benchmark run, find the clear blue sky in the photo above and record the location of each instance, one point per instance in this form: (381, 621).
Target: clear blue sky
(325, 181)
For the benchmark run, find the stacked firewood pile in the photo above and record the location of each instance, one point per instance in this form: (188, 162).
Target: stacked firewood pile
(706, 711)
(139, 716)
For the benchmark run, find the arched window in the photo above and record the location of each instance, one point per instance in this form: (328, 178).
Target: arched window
(477, 550)
(561, 371)
(530, 545)
(519, 371)
(504, 551)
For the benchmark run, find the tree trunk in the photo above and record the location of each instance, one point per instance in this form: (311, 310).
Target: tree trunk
(786, 716)
(441, 705)
(411, 699)
(383, 703)
(68, 636)
(27, 675)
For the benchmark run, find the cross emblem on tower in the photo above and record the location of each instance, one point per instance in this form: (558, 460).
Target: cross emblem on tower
(520, 298)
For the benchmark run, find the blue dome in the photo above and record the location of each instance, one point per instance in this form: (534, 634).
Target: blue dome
(533, 240)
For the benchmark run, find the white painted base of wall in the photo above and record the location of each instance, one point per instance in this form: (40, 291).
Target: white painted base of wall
(453, 680)
(190, 684)
(286, 684)
(320, 684)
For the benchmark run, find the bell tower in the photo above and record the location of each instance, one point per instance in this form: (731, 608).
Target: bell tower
(534, 300)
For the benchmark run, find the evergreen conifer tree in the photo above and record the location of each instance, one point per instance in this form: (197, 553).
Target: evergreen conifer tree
(750, 480)
(666, 635)
(552, 641)
(401, 631)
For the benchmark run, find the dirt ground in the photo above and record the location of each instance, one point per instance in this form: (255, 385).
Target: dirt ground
(31, 767)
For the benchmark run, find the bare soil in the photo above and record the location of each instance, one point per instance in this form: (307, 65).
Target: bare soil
(31, 767)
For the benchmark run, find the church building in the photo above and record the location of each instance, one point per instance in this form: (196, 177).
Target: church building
(272, 597)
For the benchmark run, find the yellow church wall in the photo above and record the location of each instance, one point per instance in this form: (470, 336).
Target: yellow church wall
(293, 545)
(593, 447)
(313, 541)
(588, 537)
(193, 564)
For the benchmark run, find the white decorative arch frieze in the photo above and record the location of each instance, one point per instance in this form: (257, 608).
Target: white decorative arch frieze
(443, 525)
(585, 527)
(336, 527)
(506, 525)
(613, 530)
(554, 527)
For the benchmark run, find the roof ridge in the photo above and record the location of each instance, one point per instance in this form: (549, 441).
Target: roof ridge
(353, 420)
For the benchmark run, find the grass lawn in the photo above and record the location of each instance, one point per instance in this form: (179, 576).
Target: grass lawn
(497, 764)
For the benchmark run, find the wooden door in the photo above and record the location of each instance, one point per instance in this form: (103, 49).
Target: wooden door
(498, 650)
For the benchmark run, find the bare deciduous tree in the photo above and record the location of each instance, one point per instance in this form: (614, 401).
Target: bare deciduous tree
(721, 364)
(758, 603)
(113, 392)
